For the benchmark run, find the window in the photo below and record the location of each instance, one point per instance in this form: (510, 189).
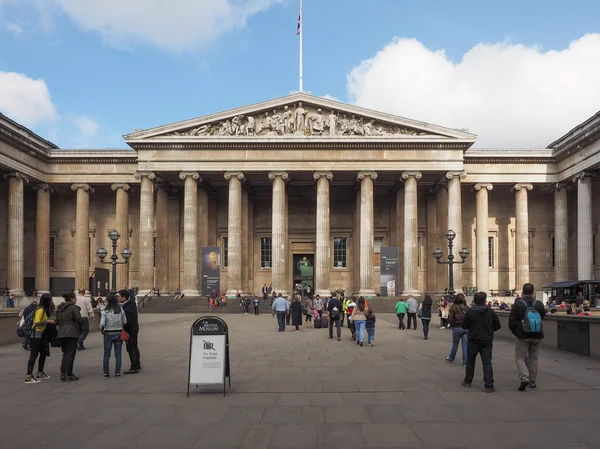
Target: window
(340, 255)
(419, 242)
(225, 253)
(377, 244)
(51, 252)
(491, 252)
(266, 252)
(553, 250)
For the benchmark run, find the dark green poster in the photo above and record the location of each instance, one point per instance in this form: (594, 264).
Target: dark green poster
(388, 267)
(211, 270)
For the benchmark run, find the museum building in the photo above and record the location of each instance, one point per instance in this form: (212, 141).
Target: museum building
(292, 183)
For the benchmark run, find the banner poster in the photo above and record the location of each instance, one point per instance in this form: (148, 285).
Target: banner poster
(388, 267)
(211, 270)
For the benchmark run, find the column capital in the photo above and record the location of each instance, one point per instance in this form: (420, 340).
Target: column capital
(45, 187)
(18, 175)
(190, 174)
(477, 187)
(363, 174)
(322, 174)
(84, 187)
(275, 174)
(520, 186)
(124, 187)
(145, 174)
(582, 175)
(456, 174)
(560, 186)
(237, 174)
(411, 174)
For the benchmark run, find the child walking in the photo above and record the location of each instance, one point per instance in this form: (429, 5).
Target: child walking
(370, 325)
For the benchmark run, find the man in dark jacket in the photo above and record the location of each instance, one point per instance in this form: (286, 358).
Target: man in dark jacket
(526, 342)
(481, 322)
(133, 328)
(335, 309)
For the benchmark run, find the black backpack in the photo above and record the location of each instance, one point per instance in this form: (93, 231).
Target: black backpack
(26, 329)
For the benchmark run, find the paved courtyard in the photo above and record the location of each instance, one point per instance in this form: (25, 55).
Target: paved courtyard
(298, 390)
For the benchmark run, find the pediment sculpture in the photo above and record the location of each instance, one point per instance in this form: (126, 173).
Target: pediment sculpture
(298, 119)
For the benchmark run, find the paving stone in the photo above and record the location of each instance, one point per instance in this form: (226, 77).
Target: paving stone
(324, 399)
(168, 436)
(226, 435)
(282, 415)
(291, 436)
(340, 436)
(430, 413)
(389, 435)
(388, 413)
(347, 414)
(295, 399)
(259, 436)
(314, 415)
(360, 399)
(244, 414)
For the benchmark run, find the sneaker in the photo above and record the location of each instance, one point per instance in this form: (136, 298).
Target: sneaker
(523, 385)
(63, 377)
(42, 375)
(466, 384)
(370, 345)
(339, 338)
(361, 343)
(26, 346)
(331, 338)
(72, 378)
(117, 374)
(297, 330)
(448, 359)
(106, 375)
(490, 389)
(532, 385)
(81, 347)
(134, 371)
(443, 327)
(31, 380)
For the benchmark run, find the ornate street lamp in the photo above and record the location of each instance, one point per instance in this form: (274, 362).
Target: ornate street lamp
(125, 255)
(438, 253)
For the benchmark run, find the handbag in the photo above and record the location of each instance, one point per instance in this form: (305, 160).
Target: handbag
(124, 334)
(420, 311)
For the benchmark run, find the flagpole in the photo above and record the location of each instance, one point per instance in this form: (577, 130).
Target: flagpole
(301, 33)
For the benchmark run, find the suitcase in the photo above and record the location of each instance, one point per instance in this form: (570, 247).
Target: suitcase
(325, 322)
(318, 323)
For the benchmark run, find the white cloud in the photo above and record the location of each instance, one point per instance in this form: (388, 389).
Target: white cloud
(173, 25)
(25, 100)
(509, 94)
(14, 28)
(87, 127)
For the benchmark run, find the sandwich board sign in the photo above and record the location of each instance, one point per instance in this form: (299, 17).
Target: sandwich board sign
(209, 353)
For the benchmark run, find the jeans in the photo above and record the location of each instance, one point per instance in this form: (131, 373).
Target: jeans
(281, 320)
(36, 348)
(370, 335)
(360, 330)
(412, 316)
(425, 323)
(528, 348)
(336, 323)
(85, 330)
(255, 310)
(110, 339)
(69, 350)
(10, 303)
(483, 347)
(133, 350)
(401, 320)
(459, 334)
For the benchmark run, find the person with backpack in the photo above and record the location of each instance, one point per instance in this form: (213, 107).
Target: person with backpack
(481, 322)
(335, 309)
(68, 319)
(112, 324)
(359, 318)
(370, 326)
(23, 314)
(37, 322)
(525, 322)
(456, 316)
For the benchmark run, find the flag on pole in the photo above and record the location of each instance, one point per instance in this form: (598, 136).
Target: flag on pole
(299, 24)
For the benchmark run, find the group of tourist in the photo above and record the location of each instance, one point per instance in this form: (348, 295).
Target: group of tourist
(67, 328)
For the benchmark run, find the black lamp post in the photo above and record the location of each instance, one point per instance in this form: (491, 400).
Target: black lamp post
(125, 254)
(438, 253)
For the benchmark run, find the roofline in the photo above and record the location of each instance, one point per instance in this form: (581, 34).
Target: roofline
(579, 136)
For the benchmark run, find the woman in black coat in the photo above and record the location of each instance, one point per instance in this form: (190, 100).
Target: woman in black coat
(426, 315)
(296, 312)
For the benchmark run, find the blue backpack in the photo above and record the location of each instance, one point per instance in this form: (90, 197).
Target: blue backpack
(26, 329)
(532, 320)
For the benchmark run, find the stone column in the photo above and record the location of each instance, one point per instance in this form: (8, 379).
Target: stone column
(279, 233)
(561, 234)
(42, 240)
(146, 246)
(16, 226)
(245, 241)
(122, 227)
(521, 235)
(585, 255)
(234, 233)
(190, 233)
(162, 238)
(366, 233)
(455, 221)
(411, 233)
(482, 254)
(82, 236)
(202, 230)
(429, 261)
(442, 228)
(323, 256)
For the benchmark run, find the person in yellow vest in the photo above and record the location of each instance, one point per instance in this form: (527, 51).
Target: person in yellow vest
(37, 341)
(345, 301)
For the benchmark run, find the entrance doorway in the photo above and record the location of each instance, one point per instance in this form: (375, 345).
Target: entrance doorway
(304, 265)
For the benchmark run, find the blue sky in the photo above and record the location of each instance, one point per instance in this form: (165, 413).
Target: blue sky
(103, 82)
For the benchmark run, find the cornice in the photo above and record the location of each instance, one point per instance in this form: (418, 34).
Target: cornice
(509, 160)
(19, 137)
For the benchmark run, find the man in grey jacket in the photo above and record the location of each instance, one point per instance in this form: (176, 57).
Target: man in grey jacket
(281, 307)
(413, 306)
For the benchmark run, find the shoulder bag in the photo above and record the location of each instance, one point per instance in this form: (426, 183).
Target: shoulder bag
(124, 334)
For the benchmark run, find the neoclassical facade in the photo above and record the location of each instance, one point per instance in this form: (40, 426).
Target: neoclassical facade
(295, 182)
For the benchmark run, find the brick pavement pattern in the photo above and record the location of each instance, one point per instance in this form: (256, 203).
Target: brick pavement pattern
(299, 390)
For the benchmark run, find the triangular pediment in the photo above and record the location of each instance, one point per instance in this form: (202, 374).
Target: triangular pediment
(299, 115)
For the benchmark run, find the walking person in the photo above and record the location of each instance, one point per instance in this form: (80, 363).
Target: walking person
(443, 312)
(68, 320)
(112, 324)
(38, 341)
(350, 311)
(343, 301)
(412, 307)
(401, 309)
(288, 316)
(87, 313)
(296, 313)
(370, 326)
(132, 327)
(280, 308)
(335, 312)
(425, 315)
(456, 317)
(359, 318)
(256, 304)
(481, 322)
(525, 322)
